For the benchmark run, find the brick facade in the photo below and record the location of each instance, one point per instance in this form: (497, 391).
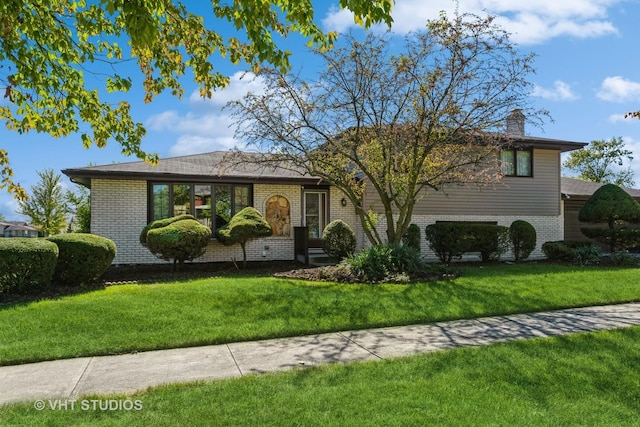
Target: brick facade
(119, 212)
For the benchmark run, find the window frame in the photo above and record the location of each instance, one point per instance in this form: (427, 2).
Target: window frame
(515, 152)
(192, 196)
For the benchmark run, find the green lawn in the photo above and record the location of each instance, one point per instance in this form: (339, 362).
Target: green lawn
(128, 318)
(579, 380)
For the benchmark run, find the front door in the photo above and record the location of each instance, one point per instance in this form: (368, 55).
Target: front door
(315, 215)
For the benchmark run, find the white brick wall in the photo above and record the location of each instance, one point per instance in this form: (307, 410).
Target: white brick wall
(119, 212)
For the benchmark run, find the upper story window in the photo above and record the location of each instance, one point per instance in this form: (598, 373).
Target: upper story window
(212, 204)
(516, 162)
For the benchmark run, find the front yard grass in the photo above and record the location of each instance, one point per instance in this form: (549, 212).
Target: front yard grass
(585, 379)
(138, 317)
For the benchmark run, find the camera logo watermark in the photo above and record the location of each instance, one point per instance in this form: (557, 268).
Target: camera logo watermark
(88, 405)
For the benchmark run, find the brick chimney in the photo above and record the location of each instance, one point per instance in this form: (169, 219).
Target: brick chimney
(515, 123)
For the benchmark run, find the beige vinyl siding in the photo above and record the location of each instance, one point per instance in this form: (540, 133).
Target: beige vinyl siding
(537, 195)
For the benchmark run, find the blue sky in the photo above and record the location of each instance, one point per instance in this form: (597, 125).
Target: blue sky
(587, 78)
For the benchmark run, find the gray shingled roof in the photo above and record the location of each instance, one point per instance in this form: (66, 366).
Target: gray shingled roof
(584, 189)
(217, 165)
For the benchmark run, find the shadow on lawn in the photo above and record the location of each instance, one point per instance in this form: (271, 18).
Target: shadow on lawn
(150, 273)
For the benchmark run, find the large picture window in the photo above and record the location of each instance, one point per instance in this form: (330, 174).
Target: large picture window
(516, 162)
(212, 205)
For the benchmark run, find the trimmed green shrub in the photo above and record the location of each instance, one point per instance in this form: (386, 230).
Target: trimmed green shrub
(161, 223)
(450, 240)
(411, 237)
(490, 240)
(523, 239)
(612, 206)
(338, 239)
(246, 225)
(617, 239)
(571, 251)
(558, 251)
(181, 240)
(447, 240)
(82, 259)
(26, 265)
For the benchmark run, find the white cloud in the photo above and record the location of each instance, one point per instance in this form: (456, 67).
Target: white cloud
(240, 84)
(619, 89)
(531, 22)
(207, 128)
(193, 144)
(561, 92)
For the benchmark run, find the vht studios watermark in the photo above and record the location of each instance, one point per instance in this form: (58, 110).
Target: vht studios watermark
(88, 405)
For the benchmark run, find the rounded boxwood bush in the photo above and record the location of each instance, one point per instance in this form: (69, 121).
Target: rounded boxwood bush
(161, 223)
(82, 259)
(523, 239)
(26, 265)
(180, 240)
(338, 239)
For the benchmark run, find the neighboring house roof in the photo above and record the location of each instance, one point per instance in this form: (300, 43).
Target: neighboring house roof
(16, 226)
(572, 188)
(218, 165)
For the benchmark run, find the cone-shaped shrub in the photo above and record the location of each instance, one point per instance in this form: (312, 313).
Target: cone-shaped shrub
(611, 205)
(338, 239)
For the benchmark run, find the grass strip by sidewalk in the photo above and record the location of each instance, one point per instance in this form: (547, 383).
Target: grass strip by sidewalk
(585, 379)
(128, 318)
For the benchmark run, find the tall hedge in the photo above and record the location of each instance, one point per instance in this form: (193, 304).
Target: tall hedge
(26, 265)
(83, 258)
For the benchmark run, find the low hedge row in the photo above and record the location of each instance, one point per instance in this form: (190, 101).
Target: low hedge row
(449, 240)
(32, 265)
(26, 265)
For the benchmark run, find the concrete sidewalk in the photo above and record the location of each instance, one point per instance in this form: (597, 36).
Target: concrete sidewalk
(72, 378)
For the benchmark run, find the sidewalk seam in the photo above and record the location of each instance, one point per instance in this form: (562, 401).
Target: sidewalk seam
(234, 360)
(82, 375)
(361, 346)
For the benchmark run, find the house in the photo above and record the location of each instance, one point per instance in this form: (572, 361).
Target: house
(575, 193)
(17, 229)
(126, 196)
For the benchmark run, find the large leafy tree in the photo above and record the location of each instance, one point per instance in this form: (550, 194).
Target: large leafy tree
(47, 206)
(598, 162)
(79, 203)
(402, 124)
(48, 48)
